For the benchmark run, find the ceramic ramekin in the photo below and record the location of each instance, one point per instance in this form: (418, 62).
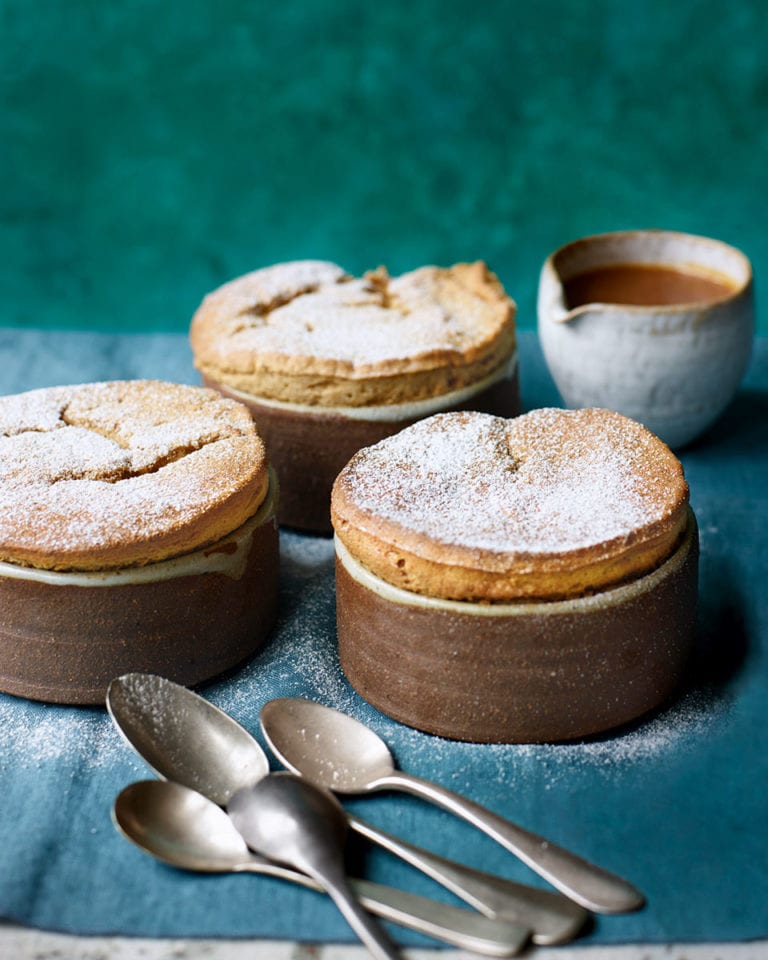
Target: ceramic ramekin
(64, 636)
(522, 672)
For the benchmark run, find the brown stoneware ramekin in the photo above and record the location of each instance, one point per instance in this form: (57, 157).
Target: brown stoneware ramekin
(65, 635)
(520, 672)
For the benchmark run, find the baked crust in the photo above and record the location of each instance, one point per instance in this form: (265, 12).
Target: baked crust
(124, 473)
(307, 332)
(550, 505)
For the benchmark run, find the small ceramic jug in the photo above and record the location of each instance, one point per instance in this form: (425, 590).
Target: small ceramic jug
(670, 339)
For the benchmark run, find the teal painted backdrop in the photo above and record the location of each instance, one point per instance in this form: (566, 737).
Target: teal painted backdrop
(150, 151)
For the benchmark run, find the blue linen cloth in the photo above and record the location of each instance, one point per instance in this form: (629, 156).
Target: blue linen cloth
(676, 802)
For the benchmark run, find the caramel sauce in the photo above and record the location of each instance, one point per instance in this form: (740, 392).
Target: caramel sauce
(645, 285)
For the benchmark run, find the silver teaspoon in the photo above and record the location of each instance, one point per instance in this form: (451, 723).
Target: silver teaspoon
(290, 821)
(336, 751)
(185, 738)
(183, 829)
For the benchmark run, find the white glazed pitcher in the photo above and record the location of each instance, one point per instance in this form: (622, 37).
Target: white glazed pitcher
(672, 366)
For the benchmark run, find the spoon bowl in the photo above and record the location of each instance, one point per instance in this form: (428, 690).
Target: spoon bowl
(326, 746)
(181, 827)
(184, 737)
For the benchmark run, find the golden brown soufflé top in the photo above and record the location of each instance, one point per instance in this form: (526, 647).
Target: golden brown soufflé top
(306, 332)
(117, 474)
(551, 505)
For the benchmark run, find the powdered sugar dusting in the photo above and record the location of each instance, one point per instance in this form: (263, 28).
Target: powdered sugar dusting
(33, 735)
(648, 742)
(304, 653)
(62, 453)
(325, 314)
(87, 466)
(260, 291)
(686, 720)
(547, 482)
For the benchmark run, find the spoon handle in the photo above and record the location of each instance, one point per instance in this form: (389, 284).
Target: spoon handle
(455, 926)
(552, 918)
(587, 884)
(336, 885)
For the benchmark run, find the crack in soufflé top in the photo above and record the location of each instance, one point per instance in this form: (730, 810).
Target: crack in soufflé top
(306, 332)
(552, 504)
(106, 475)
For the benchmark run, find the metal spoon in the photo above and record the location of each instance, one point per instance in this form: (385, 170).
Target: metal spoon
(336, 751)
(182, 828)
(291, 821)
(185, 738)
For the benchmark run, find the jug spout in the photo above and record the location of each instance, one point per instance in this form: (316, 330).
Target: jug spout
(552, 302)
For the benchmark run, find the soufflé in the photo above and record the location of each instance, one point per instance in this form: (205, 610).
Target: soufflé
(137, 532)
(516, 580)
(329, 363)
